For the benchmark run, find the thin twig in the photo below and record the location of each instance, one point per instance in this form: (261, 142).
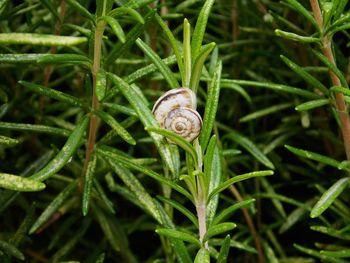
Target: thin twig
(36, 256)
(95, 103)
(339, 97)
(53, 50)
(250, 223)
(234, 16)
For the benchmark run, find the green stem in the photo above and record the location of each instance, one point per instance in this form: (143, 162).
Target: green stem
(95, 103)
(201, 214)
(201, 198)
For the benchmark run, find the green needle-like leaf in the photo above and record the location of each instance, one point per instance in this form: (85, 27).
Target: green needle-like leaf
(101, 258)
(208, 161)
(82, 10)
(101, 84)
(296, 37)
(238, 89)
(202, 256)
(250, 147)
(198, 33)
(88, 180)
(187, 60)
(108, 152)
(218, 229)
(224, 250)
(53, 206)
(49, 5)
(329, 196)
(264, 112)
(34, 128)
(314, 156)
(172, 233)
(11, 250)
(305, 75)
(211, 106)
(111, 229)
(116, 27)
(272, 86)
(293, 217)
(345, 91)
(102, 196)
(144, 71)
(296, 5)
(65, 154)
(8, 142)
(224, 214)
(63, 58)
(119, 129)
(180, 208)
(18, 183)
(135, 186)
(55, 94)
(173, 43)
(332, 67)
(120, 48)
(180, 141)
(72, 241)
(103, 7)
(45, 58)
(215, 179)
(344, 253)
(309, 105)
(330, 231)
(236, 179)
(317, 254)
(163, 68)
(39, 39)
(120, 108)
(119, 11)
(198, 66)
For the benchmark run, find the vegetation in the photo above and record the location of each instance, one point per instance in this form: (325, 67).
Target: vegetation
(88, 175)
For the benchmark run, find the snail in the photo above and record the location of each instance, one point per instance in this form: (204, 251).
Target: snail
(176, 111)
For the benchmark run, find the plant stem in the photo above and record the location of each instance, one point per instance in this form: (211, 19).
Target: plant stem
(339, 97)
(201, 214)
(201, 198)
(234, 16)
(53, 50)
(95, 103)
(250, 224)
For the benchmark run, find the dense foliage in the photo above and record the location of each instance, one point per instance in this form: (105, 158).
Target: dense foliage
(87, 174)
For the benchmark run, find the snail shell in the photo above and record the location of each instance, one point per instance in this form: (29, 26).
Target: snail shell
(175, 111)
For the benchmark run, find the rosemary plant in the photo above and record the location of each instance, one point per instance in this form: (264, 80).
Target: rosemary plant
(88, 174)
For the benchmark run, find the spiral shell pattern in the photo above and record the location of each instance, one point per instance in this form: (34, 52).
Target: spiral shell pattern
(175, 111)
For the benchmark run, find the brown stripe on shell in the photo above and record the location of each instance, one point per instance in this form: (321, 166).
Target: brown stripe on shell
(168, 95)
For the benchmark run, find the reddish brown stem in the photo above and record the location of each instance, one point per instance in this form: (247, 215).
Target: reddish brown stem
(95, 103)
(36, 256)
(339, 97)
(234, 16)
(316, 10)
(53, 50)
(250, 223)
